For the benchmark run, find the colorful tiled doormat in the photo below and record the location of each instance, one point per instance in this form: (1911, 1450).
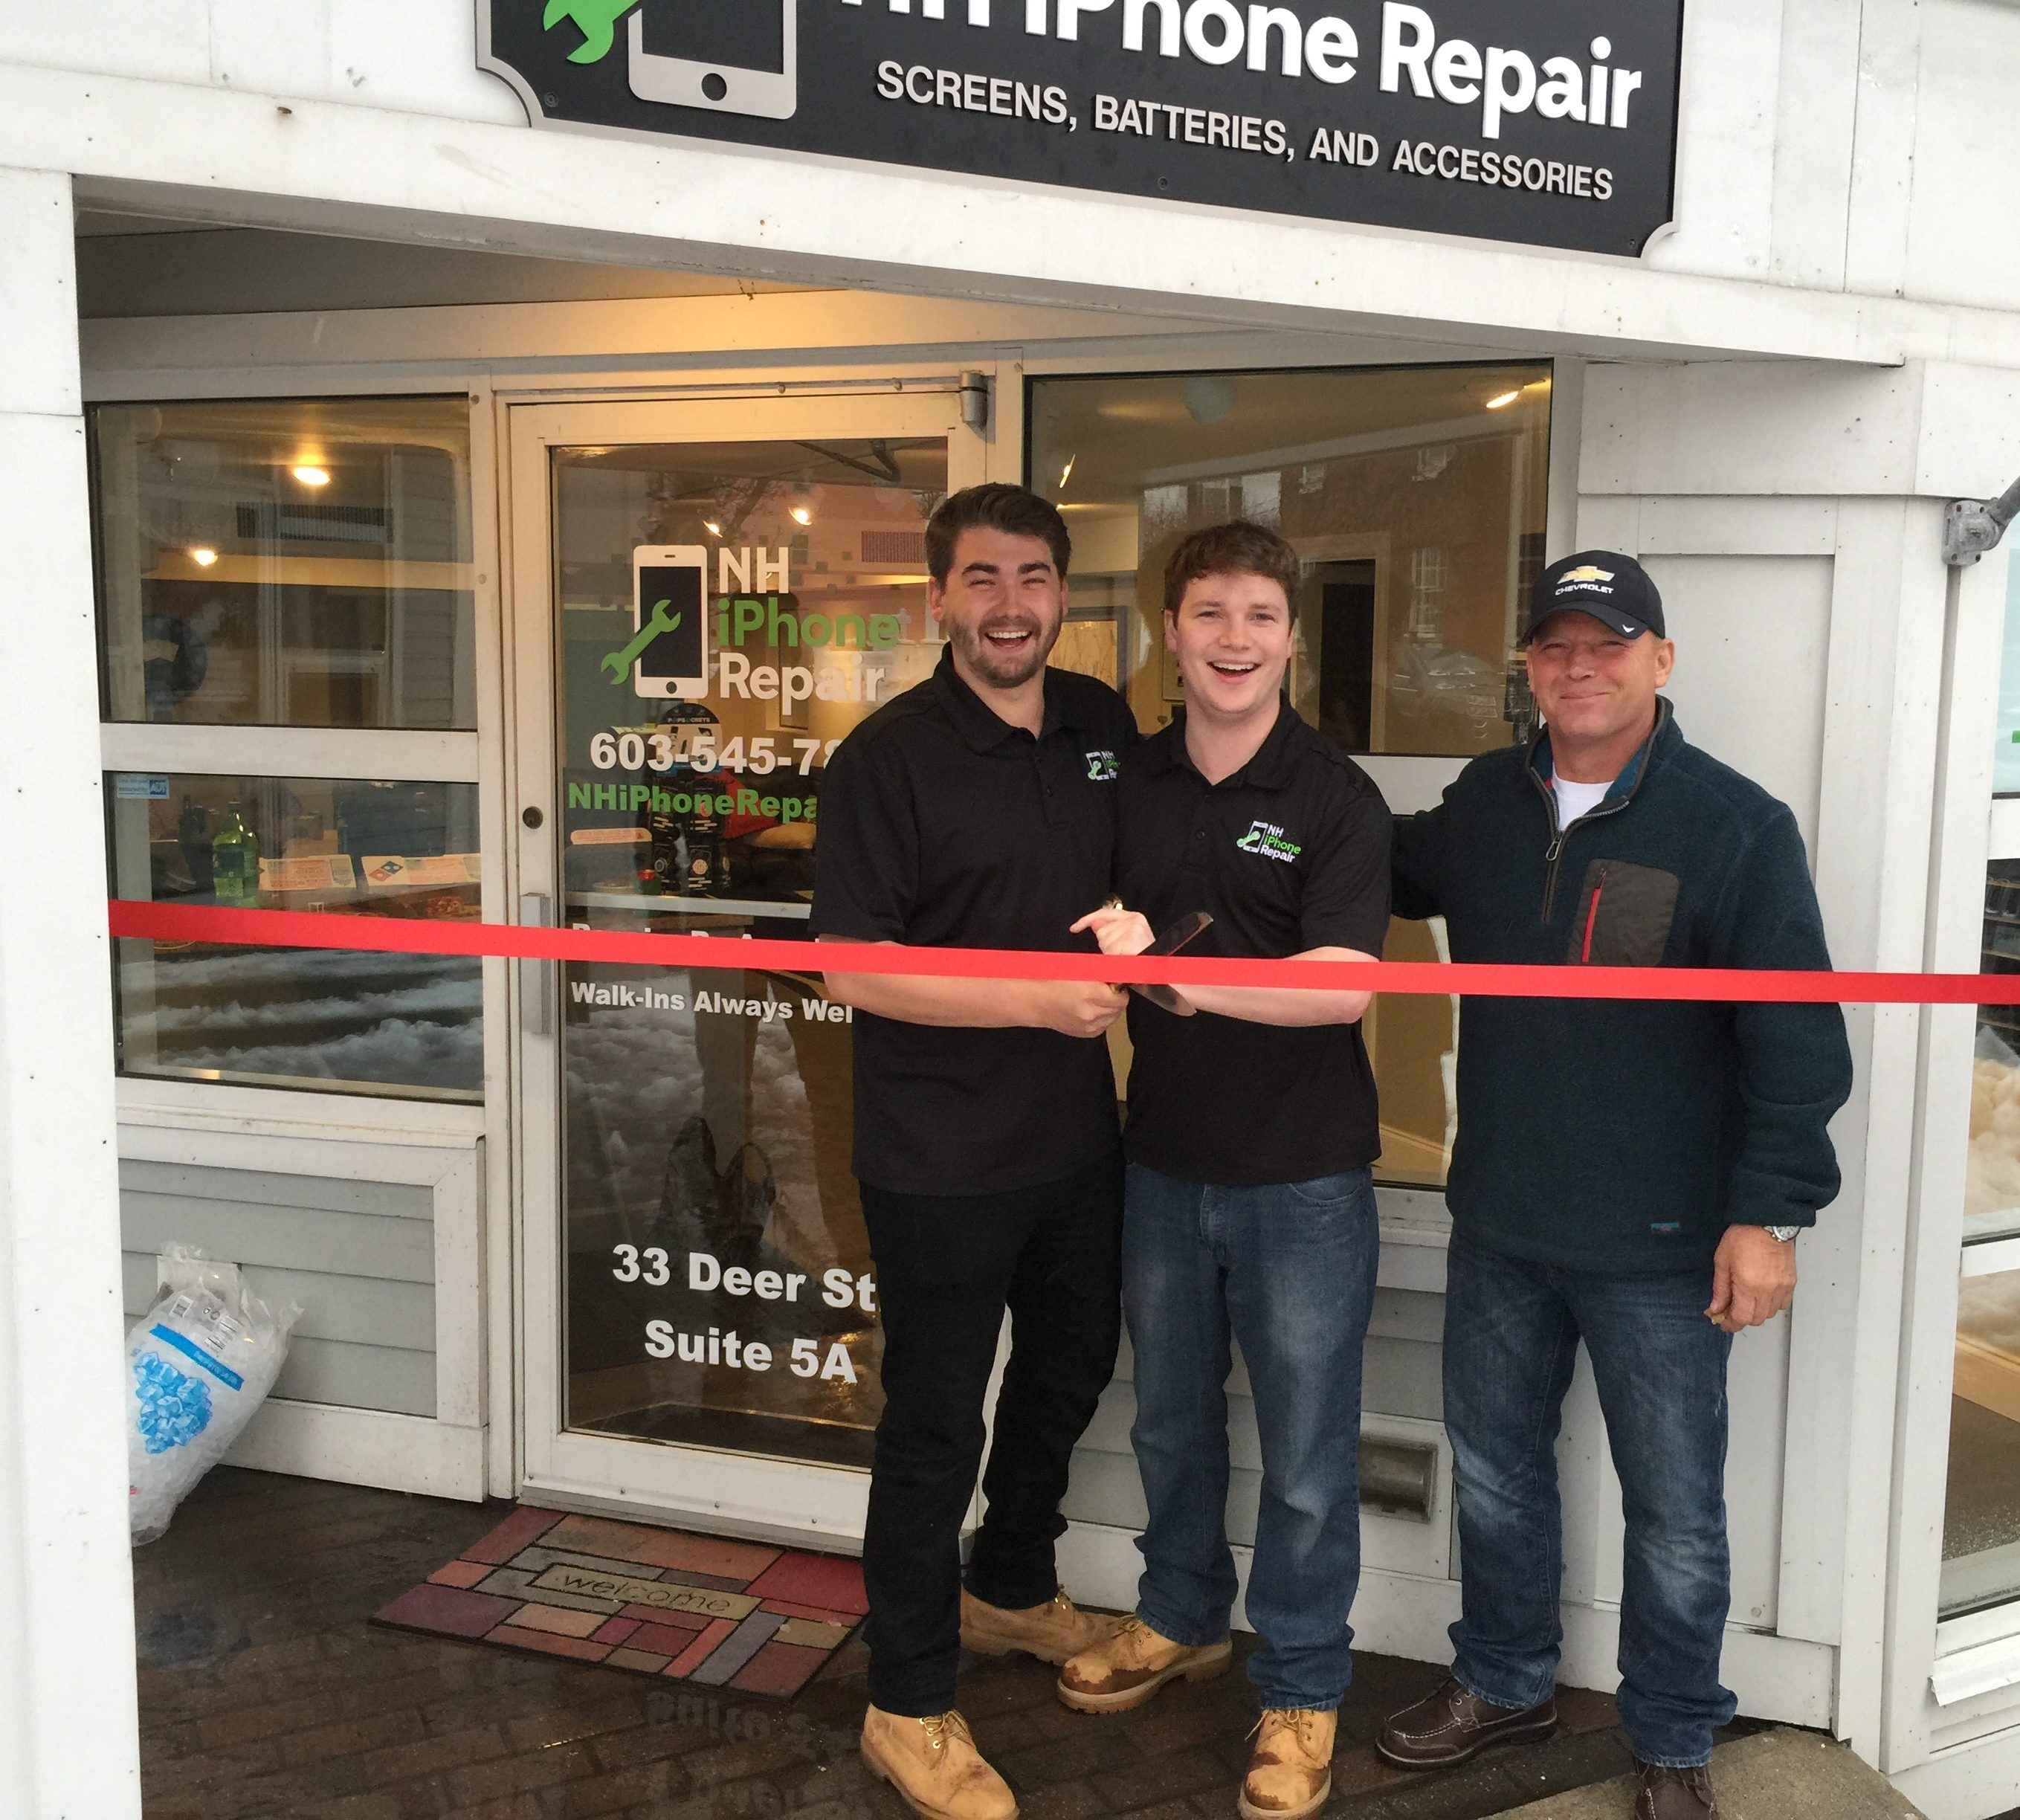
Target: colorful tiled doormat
(733, 1615)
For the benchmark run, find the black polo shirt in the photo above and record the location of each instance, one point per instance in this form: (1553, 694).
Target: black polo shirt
(943, 826)
(1288, 853)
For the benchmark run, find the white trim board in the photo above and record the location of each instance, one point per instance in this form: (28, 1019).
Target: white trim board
(372, 752)
(364, 1447)
(1966, 1783)
(206, 1106)
(1985, 1668)
(334, 167)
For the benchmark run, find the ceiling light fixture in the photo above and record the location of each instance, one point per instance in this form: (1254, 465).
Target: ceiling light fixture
(1505, 400)
(203, 556)
(800, 515)
(311, 476)
(1065, 473)
(710, 526)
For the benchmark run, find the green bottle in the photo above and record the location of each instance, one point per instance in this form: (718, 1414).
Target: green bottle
(234, 868)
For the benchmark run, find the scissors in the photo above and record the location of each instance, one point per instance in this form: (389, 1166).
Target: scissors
(1187, 928)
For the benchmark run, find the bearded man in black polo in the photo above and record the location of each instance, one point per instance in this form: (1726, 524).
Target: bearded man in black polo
(1249, 1213)
(977, 810)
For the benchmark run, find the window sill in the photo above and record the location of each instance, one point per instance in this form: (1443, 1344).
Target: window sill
(189, 1105)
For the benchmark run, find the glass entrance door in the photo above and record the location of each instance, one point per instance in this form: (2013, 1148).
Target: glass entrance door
(708, 597)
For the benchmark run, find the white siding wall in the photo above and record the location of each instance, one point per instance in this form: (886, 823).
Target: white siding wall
(357, 1256)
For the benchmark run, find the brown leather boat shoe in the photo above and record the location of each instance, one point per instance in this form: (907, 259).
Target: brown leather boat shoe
(1668, 1794)
(1453, 1725)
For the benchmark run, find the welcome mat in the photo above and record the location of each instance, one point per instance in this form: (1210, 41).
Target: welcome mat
(733, 1615)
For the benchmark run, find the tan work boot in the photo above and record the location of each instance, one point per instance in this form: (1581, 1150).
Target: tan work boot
(1290, 1774)
(1051, 1632)
(934, 1765)
(1126, 1669)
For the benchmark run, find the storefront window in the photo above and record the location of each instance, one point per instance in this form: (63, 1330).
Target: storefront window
(1981, 1517)
(409, 1024)
(1416, 498)
(719, 1288)
(1981, 1512)
(297, 563)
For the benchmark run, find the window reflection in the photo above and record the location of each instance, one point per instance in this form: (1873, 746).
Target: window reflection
(406, 1023)
(1982, 1513)
(296, 563)
(1418, 509)
(1416, 498)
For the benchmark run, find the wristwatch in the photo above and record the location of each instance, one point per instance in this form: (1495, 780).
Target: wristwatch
(1785, 1234)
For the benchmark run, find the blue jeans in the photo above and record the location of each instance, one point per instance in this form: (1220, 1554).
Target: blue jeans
(1512, 1331)
(1288, 1270)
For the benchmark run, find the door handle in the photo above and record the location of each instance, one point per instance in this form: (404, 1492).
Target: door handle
(535, 977)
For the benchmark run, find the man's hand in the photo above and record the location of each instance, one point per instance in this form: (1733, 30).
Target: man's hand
(1117, 930)
(1079, 1007)
(1752, 1278)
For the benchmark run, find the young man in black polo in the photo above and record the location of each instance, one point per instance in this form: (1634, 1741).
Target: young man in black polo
(1250, 1212)
(978, 810)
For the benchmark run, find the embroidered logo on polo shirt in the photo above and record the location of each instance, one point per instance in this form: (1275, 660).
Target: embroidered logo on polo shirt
(1101, 767)
(1267, 839)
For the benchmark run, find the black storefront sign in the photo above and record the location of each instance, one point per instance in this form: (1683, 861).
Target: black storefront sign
(1549, 122)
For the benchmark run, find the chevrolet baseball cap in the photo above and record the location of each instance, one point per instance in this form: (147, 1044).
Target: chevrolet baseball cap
(1615, 589)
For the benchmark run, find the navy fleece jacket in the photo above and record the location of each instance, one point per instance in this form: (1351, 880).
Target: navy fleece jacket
(1622, 1136)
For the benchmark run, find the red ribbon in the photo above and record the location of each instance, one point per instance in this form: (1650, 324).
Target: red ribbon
(176, 922)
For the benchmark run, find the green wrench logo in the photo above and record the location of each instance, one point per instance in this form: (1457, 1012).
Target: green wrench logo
(618, 662)
(597, 20)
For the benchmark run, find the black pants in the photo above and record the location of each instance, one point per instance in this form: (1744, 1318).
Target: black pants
(947, 1266)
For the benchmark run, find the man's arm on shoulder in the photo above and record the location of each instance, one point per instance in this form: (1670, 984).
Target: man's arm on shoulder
(1795, 1072)
(1417, 859)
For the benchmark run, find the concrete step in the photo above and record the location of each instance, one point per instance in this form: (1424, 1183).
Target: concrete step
(1773, 1775)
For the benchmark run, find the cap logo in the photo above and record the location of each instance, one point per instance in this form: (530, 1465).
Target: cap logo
(1589, 572)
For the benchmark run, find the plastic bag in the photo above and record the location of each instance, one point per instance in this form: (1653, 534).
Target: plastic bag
(199, 1362)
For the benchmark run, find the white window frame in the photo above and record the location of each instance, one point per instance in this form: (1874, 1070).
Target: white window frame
(344, 1132)
(1949, 1682)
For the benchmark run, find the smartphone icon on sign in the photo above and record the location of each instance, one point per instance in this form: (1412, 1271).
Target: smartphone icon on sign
(670, 585)
(714, 68)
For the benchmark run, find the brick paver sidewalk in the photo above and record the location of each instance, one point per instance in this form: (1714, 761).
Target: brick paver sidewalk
(263, 1692)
